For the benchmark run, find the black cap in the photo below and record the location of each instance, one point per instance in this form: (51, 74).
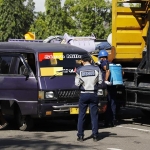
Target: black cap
(85, 56)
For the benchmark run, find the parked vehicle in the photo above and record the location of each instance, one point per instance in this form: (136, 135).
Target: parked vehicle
(86, 43)
(53, 39)
(131, 40)
(131, 49)
(37, 81)
(23, 40)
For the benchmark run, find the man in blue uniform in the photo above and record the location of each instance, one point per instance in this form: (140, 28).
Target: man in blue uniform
(112, 92)
(88, 77)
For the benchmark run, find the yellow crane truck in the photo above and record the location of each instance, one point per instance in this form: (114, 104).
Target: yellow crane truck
(131, 49)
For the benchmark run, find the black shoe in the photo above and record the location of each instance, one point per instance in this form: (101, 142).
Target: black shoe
(80, 139)
(95, 138)
(112, 124)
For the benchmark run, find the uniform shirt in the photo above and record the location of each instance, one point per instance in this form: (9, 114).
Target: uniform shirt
(102, 64)
(87, 78)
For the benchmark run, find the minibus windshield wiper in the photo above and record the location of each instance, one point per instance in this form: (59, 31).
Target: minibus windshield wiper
(57, 72)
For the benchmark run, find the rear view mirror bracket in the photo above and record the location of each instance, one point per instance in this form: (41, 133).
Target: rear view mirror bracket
(26, 73)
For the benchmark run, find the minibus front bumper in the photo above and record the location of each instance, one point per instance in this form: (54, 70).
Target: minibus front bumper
(61, 109)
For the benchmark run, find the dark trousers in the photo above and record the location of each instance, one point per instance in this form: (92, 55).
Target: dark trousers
(88, 100)
(111, 104)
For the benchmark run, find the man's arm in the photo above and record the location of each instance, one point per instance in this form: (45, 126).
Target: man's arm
(78, 80)
(106, 68)
(107, 75)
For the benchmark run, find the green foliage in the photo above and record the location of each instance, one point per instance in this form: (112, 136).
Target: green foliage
(39, 26)
(68, 17)
(120, 4)
(135, 5)
(76, 17)
(1, 2)
(88, 16)
(15, 18)
(53, 17)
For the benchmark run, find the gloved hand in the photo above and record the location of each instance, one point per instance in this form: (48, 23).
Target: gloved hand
(98, 63)
(108, 83)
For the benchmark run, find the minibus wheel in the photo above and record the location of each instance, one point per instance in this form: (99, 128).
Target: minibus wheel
(25, 123)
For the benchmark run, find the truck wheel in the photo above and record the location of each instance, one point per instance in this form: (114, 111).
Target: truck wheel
(25, 123)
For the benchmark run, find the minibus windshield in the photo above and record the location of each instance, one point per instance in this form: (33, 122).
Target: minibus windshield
(52, 62)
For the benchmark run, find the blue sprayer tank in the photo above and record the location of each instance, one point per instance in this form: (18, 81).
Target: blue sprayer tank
(116, 74)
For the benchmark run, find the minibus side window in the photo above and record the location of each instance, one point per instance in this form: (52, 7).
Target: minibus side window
(5, 62)
(30, 60)
(51, 63)
(11, 64)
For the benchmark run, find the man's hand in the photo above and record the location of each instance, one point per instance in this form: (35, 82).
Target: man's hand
(108, 83)
(98, 63)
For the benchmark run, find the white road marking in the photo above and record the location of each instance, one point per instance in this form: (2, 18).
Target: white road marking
(114, 149)
(134, 128)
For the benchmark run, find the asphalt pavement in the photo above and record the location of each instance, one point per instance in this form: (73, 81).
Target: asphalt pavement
(129, 134)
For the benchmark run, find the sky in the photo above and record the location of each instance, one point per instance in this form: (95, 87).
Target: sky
(39, 5)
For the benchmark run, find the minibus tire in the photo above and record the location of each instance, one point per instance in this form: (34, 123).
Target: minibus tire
(25, 123)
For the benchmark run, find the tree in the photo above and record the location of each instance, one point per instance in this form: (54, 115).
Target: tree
(39, 26)
(120, 4)
(90, 16)
(135, 5)
(69, 23)
(53, 17)
(15, 18)
(1, 2)
(29, 13)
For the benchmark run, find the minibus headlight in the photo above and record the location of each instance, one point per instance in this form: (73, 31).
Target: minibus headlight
(49, 94)
(100, 92)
